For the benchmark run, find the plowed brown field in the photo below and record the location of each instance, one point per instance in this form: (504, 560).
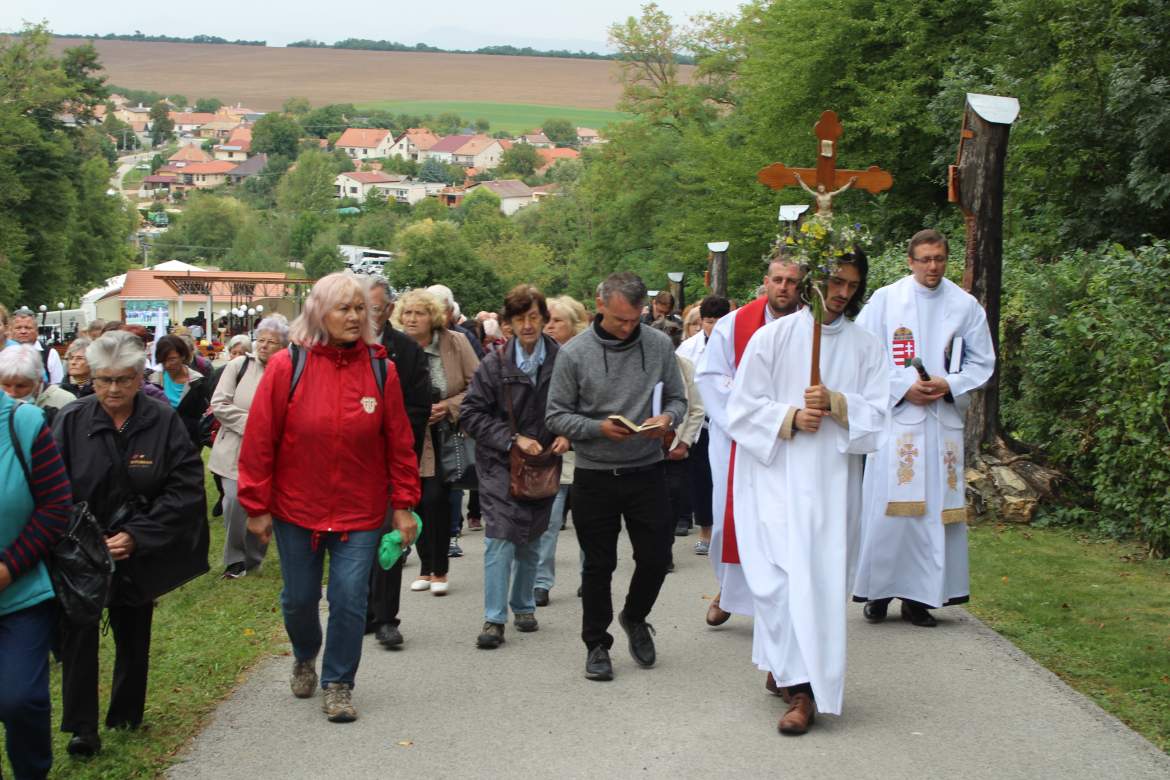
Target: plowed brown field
(262, 78)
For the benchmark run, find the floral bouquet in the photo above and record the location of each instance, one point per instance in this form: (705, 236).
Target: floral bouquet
(818, 245)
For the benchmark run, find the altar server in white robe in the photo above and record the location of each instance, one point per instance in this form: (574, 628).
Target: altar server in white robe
(798, 488)
(715, 376)
(914, 529)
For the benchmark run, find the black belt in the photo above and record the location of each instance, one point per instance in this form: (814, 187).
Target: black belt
(624, 470)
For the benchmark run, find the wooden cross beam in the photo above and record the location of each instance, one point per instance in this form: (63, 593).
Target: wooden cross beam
(828, 129)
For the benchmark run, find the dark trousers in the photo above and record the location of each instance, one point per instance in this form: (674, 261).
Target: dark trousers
(79, 670)
(435, 511)
(25, 637)
(385, 593)
(700, 476)
(600, 500)
(678, 477)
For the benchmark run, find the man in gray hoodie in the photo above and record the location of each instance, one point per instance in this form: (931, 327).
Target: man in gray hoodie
(618, 367)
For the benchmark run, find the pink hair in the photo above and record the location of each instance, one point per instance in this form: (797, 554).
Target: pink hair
(309, 328)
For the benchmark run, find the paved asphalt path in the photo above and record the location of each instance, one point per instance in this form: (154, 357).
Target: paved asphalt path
(956, 701)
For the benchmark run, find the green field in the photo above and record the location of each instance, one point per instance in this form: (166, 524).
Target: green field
(513, 117)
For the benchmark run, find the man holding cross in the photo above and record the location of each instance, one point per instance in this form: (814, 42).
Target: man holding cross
(937, 350)
(797, 487)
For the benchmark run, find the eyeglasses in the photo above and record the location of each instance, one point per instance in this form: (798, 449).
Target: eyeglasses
(267, 343)
(120, 381)
(932, 260)
(378, 309)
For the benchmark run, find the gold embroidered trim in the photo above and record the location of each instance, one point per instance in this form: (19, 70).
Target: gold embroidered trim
(951, 459)
(839, 409)
(954, 516)
(906, 508)
(907, 454)
(788, 427)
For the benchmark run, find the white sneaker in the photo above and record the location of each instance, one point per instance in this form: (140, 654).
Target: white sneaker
(420, 585)
(439, 588)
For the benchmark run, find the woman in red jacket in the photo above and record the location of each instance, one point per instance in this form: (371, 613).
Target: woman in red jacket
(327, 451)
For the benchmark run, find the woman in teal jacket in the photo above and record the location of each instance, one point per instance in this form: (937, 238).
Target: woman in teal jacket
(35, 502)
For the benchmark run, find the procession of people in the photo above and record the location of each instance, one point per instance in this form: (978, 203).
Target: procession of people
(372, 411)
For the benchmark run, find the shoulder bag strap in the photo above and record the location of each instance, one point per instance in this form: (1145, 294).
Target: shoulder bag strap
(298, 367)
(17, 448)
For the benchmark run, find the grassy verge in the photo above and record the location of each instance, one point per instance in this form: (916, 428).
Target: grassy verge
(206, 636)
(1097, 613)
(512, 117)
(133, 178)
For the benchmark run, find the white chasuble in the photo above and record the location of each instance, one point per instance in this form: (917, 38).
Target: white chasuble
(798, 496)
(914, 533)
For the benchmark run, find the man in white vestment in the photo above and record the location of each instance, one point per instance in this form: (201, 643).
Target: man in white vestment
(714, 376)
(797, 488)
(914, 529)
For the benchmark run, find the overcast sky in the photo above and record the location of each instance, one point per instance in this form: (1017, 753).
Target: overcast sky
(449, 23)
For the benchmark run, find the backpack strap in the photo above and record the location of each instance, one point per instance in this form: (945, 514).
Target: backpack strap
(378, 365)
(16, 446)
(244, 369)
(298, 363)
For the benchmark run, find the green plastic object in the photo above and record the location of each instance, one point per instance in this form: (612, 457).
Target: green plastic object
(390, 550)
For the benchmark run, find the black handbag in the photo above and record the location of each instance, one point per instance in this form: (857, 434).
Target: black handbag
(456, 457)
(80, 566)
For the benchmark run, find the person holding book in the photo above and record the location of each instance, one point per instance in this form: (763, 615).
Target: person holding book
(914, 525)
(617, 368)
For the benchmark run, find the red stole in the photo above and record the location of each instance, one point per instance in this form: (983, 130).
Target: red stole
(748, 320)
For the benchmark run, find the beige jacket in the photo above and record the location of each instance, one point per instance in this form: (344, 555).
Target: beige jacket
(459, 364)
(230, 404)
(692, 425)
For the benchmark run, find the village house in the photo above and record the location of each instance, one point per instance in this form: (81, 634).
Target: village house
(551, 155)
(218, 129)
(229, 152)
(537, 139)
(587, 136)
(357, 184)
(189, 153)
(157, 184)
(481, 152)
(206, 175)
(190, 121)
(249, 167)
(131, 114)
(410, 192)
(444, 149)
(365, 143)
(513, 194)
(412, 143)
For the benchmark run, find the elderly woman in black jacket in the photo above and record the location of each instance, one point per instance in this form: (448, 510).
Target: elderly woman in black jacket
(504, 407)
(130, 458)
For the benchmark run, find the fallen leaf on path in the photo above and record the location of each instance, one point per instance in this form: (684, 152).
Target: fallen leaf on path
(406, 743)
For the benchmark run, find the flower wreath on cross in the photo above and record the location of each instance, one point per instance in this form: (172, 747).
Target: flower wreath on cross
(818, 246)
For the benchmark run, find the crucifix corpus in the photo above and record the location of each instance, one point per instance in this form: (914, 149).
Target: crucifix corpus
(827, 181)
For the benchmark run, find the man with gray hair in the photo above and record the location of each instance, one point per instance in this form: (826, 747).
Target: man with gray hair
(22, 328)
(618, 368)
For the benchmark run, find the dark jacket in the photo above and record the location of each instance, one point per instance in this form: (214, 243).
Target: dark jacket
(476, 345)
(194, 403)
(485, 418)
(169, 516)
(77, 391)
(415, 378)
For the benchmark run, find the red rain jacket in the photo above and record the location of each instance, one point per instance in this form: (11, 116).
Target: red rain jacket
(336, 455)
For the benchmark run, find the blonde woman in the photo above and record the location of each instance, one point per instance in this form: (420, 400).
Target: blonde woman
(451, 363)
(327, 446)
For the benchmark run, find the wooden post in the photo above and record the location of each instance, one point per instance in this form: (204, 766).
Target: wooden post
(977, 182)
(718, 251)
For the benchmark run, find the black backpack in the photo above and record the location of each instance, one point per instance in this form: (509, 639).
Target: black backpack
(300, 357)
(80, 566)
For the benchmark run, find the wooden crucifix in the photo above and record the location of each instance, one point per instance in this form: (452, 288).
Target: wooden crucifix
(828, 181)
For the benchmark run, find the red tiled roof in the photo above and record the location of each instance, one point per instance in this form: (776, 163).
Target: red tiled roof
(505, 143)
(190, 117)
(422, 138)
(552, 155)
(213, 167)
(190, 153)
(371, 177)
(362, 138)
(475, 144)
(451, 144)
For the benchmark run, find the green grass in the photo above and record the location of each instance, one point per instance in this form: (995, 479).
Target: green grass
(206, 636)
(133, 178)
(1097, 613)
(513, 117)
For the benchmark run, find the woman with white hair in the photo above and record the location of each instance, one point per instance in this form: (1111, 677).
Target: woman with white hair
(242, 551)
(130, 459)
(77, 380)
(22, 379)
(327, 447)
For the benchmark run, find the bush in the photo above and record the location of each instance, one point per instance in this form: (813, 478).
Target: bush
(1092, 380)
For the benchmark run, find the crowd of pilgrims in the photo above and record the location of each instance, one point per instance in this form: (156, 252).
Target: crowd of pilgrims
(532, 416)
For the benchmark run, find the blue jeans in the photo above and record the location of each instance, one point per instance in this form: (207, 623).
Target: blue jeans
(546, 567)
(25, 637)
(301, 567)
(456, 497)
(499, 556)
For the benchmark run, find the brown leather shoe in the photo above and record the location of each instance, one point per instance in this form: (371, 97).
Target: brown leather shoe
(717, 616)
(800, 716)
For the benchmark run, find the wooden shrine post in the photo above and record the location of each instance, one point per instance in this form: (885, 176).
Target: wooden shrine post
(717, 273)
(823, 182)
(976, 185)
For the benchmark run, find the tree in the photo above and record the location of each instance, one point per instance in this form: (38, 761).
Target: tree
(208, 105)
(432, 170)
(206, 232)
(483, 125)
(276, 134)
(309, 186)
(561, 132)
(125, 139)
(324, 257)
(97, 237)
(433, 253)
(520, 159)
(297, 106)
(333, 118)
(448, 123)
(162, 127)
(429, 208)
(481, 219)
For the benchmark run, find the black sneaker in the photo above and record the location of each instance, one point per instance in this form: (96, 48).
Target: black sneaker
(388, 636)
(682, 529)
(917, 614)
(526, 622)
(235, 571)
(541, 596)
(875, 611)
(454, 550)
(84, 744)
(598, 666)
(641, 641)
(491, 637)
